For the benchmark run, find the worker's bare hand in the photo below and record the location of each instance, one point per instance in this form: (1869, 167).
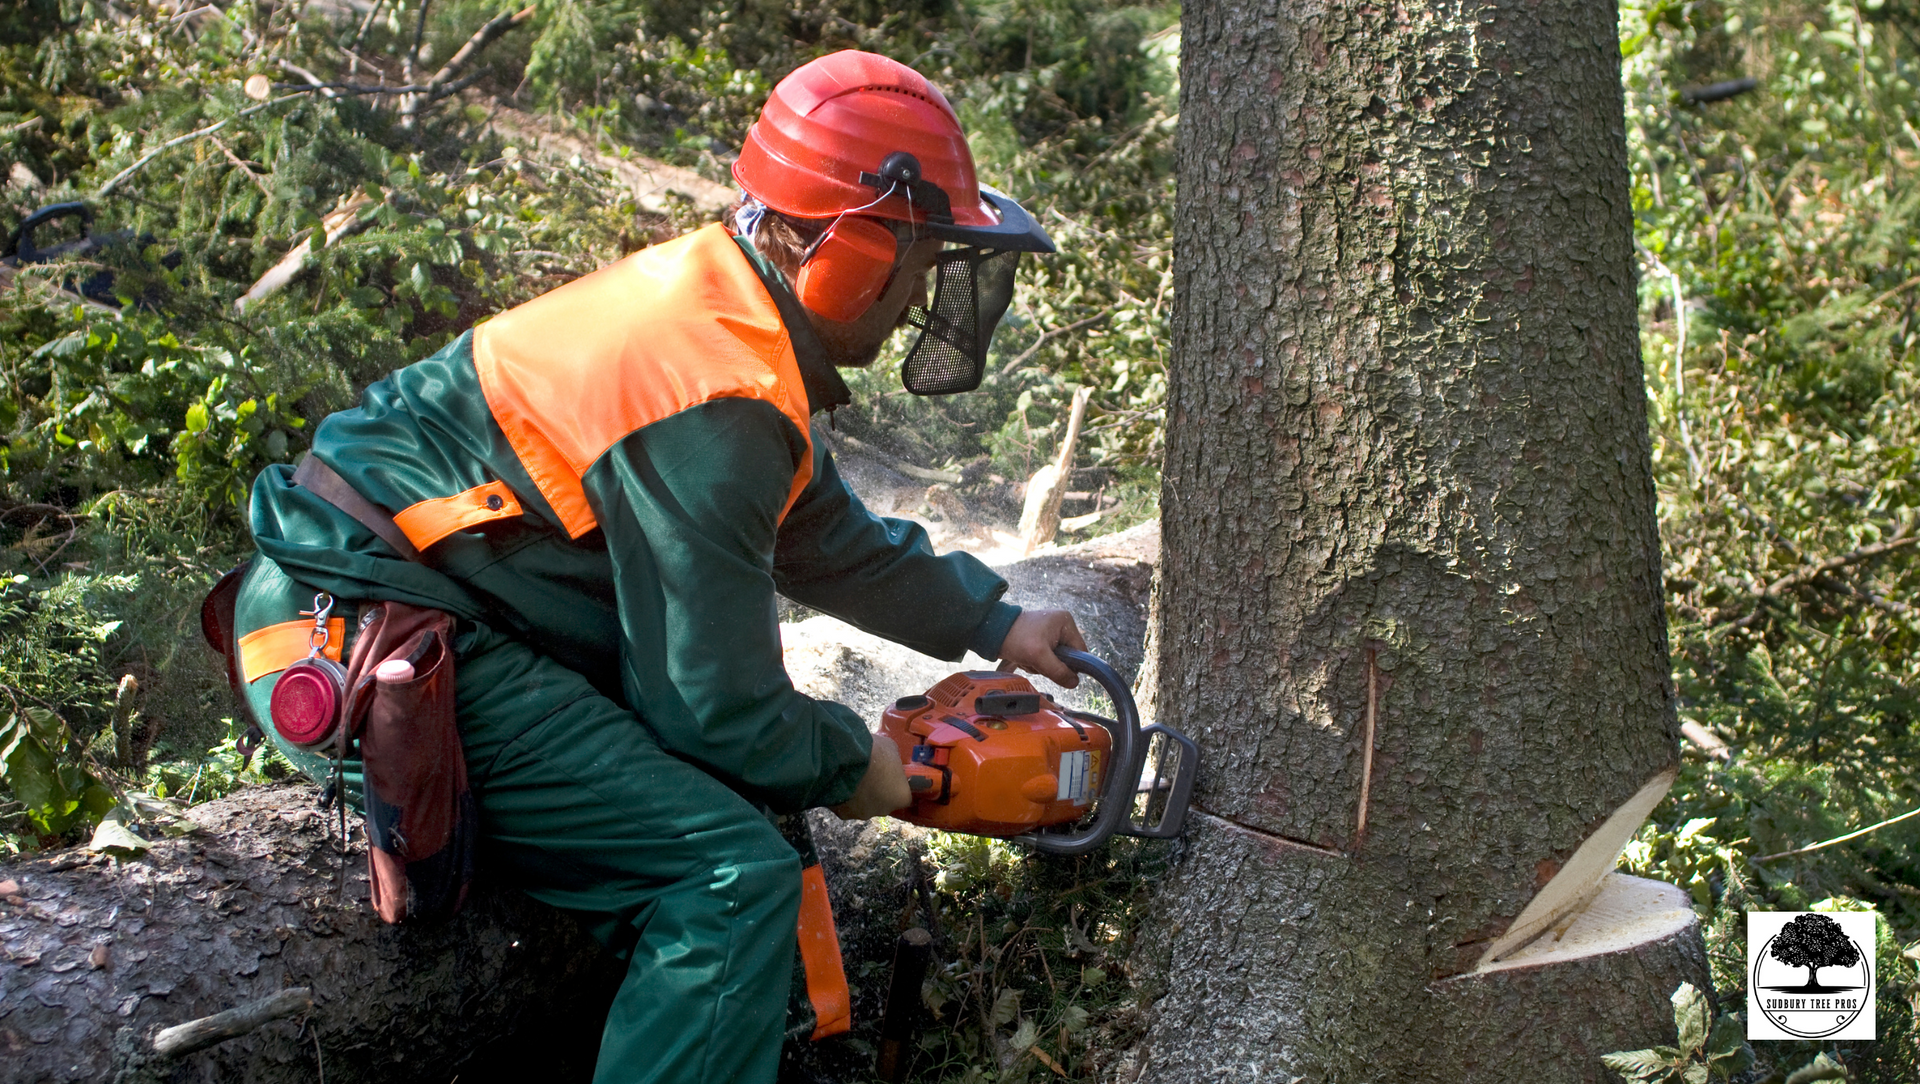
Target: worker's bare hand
(1030, 642)
(883, 789)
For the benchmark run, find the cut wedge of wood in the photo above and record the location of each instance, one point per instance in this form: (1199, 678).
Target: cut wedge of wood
(1575, 885)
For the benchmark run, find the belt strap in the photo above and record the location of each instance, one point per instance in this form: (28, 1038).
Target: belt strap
(324, 482)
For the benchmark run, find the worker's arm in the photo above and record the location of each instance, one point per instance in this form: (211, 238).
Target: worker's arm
(883, 576)
(690, 506)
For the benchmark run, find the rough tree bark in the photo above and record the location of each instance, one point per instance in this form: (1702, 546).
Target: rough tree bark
(1410, 590)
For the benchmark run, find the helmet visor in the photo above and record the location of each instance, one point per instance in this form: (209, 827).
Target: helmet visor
(972, 288)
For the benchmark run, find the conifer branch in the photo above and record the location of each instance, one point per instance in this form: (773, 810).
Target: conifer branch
(441, 84)
(139, 163)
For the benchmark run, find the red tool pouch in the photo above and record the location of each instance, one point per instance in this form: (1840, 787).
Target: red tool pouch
(422, 823)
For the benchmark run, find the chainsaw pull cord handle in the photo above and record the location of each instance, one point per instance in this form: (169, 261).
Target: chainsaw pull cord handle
(1123, 768)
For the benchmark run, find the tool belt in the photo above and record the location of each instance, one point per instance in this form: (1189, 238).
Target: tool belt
(395, 697)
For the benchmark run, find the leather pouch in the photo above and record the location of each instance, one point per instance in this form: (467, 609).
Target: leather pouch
(422, 822)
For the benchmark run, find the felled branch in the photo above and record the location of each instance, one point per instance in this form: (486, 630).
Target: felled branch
(337, 223)
(241, 165)
(1706, 741)
(139, 163)
(333, 90)
(441, 84)
(1815, 574)
(218, 1028)
(924, 474)
(1719, 92)
(1840, 839)
(1021, 358)
(655, 185)
(313, 80)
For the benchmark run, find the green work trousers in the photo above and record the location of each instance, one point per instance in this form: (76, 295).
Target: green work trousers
(580, 808)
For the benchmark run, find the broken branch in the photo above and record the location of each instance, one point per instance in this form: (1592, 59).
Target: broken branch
(1812, 572)
(439, 86)
(1040, 520)
(140, 162)
(1839, 839)
(337, 223)
(924, 474)
(242, 166)
(1815, 574)
(1021, 358)
(208, 1030)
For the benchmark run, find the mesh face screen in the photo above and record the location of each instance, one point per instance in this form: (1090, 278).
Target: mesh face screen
(971, 292)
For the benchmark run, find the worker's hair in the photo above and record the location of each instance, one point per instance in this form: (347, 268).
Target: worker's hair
(783, 240)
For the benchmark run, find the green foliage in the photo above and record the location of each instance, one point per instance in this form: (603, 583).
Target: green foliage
(1033, 977)
(51, 789)
(130, 433)
(1708, 1049)
(1778, 231)
(50, 641)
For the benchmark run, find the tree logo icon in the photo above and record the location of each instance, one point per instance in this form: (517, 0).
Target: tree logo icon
(1811, 976)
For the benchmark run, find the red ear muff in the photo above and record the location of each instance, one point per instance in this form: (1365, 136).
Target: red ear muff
(850, 266)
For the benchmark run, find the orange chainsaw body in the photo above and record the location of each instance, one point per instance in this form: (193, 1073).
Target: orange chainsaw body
(988, 755)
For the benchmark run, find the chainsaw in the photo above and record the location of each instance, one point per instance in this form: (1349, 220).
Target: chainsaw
(987, 754)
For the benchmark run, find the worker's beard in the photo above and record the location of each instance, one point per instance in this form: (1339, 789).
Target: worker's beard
(858, 344)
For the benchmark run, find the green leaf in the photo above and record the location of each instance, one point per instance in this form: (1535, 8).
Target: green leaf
(1640, 1065)
(31, 774)
(197, 418)
(1690, 1015)
(115, 838)
(1006, 1007)
(1727, 1050)
(1025, 1035)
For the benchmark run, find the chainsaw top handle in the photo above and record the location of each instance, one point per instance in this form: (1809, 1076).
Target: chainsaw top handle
(1123, 768)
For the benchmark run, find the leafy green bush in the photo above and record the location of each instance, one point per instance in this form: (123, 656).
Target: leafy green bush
(1778, 230)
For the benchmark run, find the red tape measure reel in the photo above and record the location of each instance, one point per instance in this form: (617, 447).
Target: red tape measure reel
(309, 696)
(306, 701)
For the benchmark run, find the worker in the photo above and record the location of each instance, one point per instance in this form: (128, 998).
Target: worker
(606, 487)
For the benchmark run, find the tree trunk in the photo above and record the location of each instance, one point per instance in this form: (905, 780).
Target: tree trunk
(1410, 599)
(101, 954)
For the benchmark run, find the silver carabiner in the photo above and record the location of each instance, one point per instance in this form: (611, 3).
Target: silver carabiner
(317, 639)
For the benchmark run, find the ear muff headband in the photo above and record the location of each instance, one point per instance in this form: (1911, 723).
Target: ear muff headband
(848, 269)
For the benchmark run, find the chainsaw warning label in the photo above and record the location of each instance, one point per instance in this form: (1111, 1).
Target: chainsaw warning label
(1076, 776)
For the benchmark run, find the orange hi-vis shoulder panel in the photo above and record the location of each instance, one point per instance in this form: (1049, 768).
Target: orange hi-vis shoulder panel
(572, 372)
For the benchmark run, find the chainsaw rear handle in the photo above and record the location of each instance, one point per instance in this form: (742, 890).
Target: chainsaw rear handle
(23, 247)
(1123, 768)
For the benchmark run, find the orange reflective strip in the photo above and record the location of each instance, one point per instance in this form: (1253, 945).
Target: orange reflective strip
(430, 521)
(572, 372)
(820, 956)
(276, 647)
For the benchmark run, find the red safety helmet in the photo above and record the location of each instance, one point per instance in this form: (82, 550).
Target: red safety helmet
(841, 131)
(853, 137)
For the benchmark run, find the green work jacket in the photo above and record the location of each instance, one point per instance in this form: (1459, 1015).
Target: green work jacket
(650, 565)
